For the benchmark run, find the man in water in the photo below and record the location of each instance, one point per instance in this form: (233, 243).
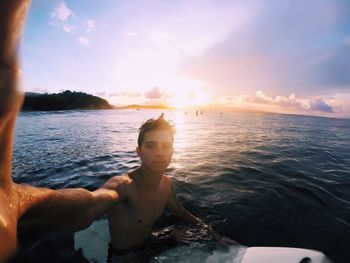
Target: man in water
(144, 193)
(71, 209)
(140, 195)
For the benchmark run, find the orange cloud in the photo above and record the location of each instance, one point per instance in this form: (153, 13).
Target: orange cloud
(285, 104)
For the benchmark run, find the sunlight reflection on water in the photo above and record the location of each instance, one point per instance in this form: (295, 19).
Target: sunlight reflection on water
(262, 179)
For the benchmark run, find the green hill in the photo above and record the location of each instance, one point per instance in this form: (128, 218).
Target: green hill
(66, 100)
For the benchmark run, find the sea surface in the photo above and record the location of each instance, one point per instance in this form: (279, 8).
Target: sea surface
(260, 179)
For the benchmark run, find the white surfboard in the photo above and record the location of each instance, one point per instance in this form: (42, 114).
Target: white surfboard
(283, 255)
(94, 242)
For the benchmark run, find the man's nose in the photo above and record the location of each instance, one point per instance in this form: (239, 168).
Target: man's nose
(160, 151)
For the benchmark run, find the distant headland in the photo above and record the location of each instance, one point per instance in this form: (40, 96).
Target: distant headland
(66, 100)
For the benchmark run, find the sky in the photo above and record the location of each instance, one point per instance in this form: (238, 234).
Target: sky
(288, 56)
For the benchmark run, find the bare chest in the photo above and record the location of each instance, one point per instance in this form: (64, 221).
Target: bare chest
(140, 210)
(147, 209)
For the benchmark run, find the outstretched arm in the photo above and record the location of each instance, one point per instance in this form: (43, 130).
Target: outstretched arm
(70, 209)
(12, 15)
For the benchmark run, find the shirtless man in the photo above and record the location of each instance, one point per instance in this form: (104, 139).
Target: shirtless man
(70, 209)
(144, 193)
(141, 195)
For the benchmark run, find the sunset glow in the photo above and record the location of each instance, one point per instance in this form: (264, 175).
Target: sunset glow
(183, 98)
(182, 54)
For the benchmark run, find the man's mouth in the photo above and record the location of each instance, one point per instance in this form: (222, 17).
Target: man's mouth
(159, 162)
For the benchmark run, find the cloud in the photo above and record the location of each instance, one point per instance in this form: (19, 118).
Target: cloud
(101, 94)
(84, 41)
(284, 47)
(60, 16)
(62, 12)
(153, 93)
(284, 103)
(90, 25)
(125, 94)
(261, 98)
(320, 105)
(67, 28)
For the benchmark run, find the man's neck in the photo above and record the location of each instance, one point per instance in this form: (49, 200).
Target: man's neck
(147, 178)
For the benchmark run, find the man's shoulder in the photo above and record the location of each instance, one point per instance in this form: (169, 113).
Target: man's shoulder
(167, 179)
(167, 183)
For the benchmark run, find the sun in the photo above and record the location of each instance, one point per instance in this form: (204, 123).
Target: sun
(182, 99)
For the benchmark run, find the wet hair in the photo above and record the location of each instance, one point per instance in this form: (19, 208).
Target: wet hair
(154, 124)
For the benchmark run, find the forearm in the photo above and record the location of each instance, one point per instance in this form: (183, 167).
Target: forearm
(69, 209)
(189, 218)
(207, 227)
(12, 17)
(178, 210)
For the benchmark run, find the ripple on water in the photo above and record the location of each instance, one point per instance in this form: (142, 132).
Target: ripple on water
(262, 179)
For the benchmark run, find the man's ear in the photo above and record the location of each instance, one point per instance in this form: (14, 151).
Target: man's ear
(138, 151)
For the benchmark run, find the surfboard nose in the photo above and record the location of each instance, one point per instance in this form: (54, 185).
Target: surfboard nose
(282, 254)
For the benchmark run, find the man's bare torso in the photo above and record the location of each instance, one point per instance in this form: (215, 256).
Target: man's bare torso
(131, 220)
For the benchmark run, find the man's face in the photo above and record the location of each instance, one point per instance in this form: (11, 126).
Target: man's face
(156, 150)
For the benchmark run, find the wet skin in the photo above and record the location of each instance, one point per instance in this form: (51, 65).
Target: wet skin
(139, 197)
(24, 205)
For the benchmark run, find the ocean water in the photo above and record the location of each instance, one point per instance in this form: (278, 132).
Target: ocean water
(260, 179)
